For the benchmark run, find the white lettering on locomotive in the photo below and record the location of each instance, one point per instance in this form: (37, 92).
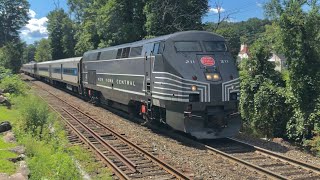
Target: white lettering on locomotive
(125, 82)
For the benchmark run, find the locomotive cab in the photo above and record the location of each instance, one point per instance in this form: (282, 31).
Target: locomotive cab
(199, 83)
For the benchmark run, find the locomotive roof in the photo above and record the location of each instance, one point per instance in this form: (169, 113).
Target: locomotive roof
(156, 39)
(74, 59)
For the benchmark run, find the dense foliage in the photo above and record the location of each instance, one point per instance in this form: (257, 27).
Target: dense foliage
(299, 32)
(29, 53)
(285, 105)
(61, 34)
(12, 84)
(239, 32)
(11, 55)
(168, 16)
(44, 139)
(102, 24)
(43, 51)
(13, 16)
(262, 101)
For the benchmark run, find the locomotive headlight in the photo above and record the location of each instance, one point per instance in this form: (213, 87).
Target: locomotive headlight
(216, 76)
(194, 88)
(213, 76)
(209, 77)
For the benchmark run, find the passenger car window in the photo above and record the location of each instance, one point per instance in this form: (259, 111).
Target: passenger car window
(187, 46)
(214, 46)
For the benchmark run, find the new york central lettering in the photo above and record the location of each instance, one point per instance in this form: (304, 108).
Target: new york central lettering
(118, 81)
(125, 82)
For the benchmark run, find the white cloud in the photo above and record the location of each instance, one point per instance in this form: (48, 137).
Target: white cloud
(31, 13)
(259, 4)
(36, 29)
(217, 10)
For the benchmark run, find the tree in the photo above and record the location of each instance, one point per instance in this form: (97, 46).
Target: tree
(86, 39)
(102, 24)
(169, 16)
(29, 53)
(43, 51)
(222, 17)
(80, 9)
(61, 34)
(239, 32)
(262, 102)
(13, 16)
(232, 36)
(11, 56)
(299, 33)
(120, 21)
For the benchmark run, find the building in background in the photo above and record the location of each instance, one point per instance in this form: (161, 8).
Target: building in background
(279, 60)
(244, 53)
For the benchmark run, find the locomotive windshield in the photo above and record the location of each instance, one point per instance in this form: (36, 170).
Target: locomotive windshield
(214, 46)
(187, 46)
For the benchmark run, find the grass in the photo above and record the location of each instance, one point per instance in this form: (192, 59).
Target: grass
(10, 115)
(87, 162)
(43, 135)
(6, 166)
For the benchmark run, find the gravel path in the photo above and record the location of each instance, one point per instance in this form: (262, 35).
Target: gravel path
(200, 163)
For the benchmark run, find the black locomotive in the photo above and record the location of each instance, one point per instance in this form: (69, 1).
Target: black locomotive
(187, 80)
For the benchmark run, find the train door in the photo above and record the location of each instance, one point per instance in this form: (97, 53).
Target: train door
(150, 50)
(148, 70)
(148, 63)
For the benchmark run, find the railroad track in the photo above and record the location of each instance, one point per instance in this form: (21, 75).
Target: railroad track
(271, 164)
(262, 161)
(126, 159)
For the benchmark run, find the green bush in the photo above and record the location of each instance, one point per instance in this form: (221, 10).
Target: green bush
(35, 115)
(314, 143)
(13, 85)
(4, 72)
(263, 104)
(47, 162)
(45, 140)
(270, 110)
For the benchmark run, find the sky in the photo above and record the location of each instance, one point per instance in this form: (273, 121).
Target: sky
(236, 10)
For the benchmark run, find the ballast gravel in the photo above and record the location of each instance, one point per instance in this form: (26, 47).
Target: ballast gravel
(198, 163)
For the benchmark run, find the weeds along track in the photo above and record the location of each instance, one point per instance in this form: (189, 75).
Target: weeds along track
(271, 164)
(126, 159)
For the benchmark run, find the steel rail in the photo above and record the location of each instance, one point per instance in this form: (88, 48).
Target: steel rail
(118, 172)
(253, 167)
(132, 166)
(162, 164)
(277, 156)
(165, 166)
